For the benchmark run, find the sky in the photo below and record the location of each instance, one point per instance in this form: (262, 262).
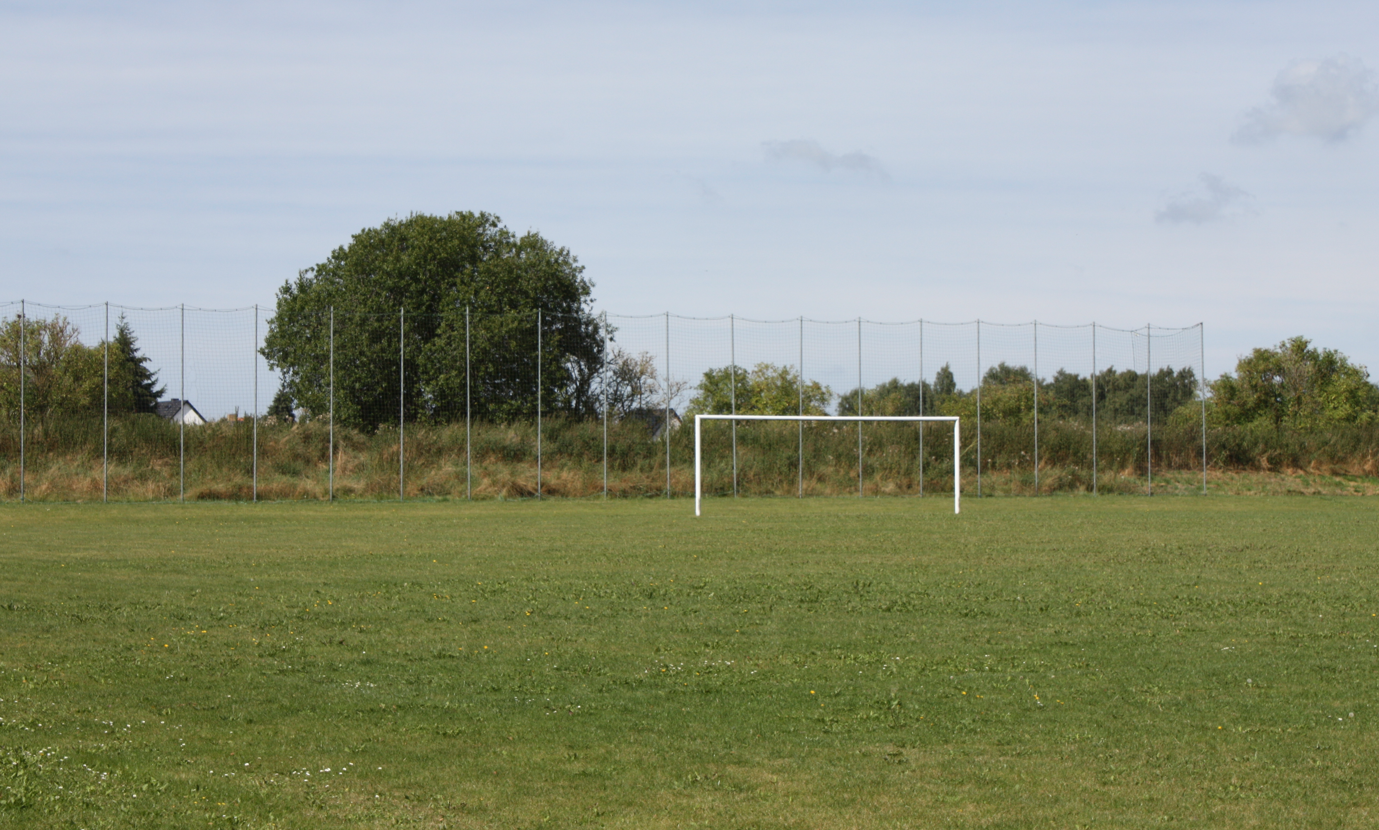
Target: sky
(1126, 162)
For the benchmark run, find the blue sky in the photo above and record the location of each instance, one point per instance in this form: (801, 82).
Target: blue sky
(1123, 162)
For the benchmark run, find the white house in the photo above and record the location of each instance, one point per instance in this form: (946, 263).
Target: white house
(179, 412)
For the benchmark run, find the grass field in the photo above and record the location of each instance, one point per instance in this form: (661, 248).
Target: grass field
(1054, 662)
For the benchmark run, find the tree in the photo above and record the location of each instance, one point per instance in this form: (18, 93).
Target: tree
(1003, 374)
(1121, 395)
(133, 386)
(439, 278)
(281, 408)
(894, 397)
(1295, 384)
(898, 397)
(1000, 403)
(1007, 396)
(60, 374)
(1071, 394)
(634, 385)
(945, 384)
(765, 390)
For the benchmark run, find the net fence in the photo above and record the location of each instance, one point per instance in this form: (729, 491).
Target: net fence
(107, 402)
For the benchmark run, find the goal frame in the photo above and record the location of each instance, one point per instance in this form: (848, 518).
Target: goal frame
(957, 441)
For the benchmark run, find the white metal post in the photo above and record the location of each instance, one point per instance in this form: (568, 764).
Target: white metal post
(800, 384)
(401, 403)
(957, 453)
(860, 491)
(1094, 447)
(979, 408)
(698, 458)
(921, 409)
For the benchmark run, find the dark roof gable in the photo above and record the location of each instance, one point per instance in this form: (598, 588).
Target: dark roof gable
(169, 409)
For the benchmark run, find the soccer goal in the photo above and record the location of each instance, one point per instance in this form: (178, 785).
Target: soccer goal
(698, 441)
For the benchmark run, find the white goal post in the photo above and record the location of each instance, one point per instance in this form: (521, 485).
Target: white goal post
(698, 443)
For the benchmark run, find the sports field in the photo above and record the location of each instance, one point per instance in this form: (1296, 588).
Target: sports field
(1051, 662)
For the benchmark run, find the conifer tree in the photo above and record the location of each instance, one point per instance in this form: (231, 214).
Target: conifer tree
(141, 392)
(281, 407)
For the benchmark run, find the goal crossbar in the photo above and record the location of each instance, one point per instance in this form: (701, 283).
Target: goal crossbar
(698, 442)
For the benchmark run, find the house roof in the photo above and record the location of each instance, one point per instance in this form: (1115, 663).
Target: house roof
(170, 408)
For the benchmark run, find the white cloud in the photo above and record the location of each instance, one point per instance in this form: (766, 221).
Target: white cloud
(810, 152)
(1213, 200)
(1330, 99)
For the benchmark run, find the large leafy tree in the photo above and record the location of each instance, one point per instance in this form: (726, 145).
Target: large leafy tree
(59, 373)
(434, 278)
(1297, 385)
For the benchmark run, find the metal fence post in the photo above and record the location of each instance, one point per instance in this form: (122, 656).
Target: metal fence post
(801, 424)
(256, 401)
(538, 404)
(468, 434)
(732, 390)
(182, 411)
(1202, 382)
(23, 370)
(1036, 407)
(330, 419)
(604, 368)
(401, 403)
(1149, 409)
(665, 422)
(105, 412)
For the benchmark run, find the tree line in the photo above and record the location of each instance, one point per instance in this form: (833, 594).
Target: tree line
(1007, 394)
(62, 375)
(383, 321)
(1293, 385)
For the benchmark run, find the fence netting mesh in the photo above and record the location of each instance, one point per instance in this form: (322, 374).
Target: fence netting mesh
(121, 403)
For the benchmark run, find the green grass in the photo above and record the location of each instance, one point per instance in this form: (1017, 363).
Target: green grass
(1056, 662)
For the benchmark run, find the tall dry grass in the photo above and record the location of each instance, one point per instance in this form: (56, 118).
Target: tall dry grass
(63, 459)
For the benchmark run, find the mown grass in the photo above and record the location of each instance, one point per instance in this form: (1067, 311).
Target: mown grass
(1182, 662)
